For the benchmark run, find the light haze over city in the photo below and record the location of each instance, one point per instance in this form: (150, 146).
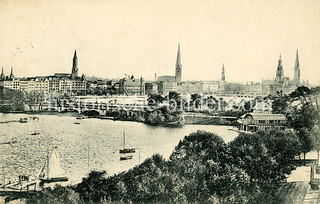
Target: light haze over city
(141, 38)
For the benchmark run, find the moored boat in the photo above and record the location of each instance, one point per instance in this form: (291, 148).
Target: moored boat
(23, 120)
(126, 150)
(122, 158)
(52, 170)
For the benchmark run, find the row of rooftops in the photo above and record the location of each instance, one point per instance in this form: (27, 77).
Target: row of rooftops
(63, 76)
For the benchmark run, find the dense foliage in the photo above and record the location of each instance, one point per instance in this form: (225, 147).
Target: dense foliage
(203, 169)
(58, 194)
(11, 100)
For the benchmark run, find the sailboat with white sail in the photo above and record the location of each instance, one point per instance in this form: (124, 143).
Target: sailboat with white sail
(52, 170)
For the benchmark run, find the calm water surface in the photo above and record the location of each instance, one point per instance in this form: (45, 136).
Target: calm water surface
(93, 144)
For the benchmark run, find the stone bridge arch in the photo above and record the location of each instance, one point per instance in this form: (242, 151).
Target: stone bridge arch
(53, 109)
(92, 112)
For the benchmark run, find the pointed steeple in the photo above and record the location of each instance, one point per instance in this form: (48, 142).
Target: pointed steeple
(223, 76)
(74, 72)
(296, 78)
(2, 75)
(11, 73)
(279, 73)
(178, 62)
(297, 58)
(178, 66)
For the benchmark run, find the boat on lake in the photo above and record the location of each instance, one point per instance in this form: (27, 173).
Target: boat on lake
(80, 117)
(122, 158)
(27, 119)
(52, 170)
(23, 120)
(126, 150)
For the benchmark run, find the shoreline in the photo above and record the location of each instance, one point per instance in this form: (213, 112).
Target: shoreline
(189, 120)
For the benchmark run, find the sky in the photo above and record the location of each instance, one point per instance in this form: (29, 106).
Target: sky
(114, 38)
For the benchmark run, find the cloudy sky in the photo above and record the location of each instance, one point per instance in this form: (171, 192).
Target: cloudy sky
(114, 38)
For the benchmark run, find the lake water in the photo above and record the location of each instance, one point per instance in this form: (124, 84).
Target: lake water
(93, 144)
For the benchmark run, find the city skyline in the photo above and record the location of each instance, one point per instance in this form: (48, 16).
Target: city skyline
(144, 41)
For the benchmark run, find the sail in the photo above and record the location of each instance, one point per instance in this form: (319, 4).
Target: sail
(42, 173)
(54, 166)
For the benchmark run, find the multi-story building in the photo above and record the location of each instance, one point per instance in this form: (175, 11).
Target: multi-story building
(131, 86)
(151, 88)
(59, 82)
(190, 87)
(167, 86)
(210, 87)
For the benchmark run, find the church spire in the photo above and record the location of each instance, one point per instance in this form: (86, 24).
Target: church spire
(223, 76)
(2, 75)
(74, 72)
(296, 78)
(11, 73)
(279, 73)
(178, 66)
(178, 62)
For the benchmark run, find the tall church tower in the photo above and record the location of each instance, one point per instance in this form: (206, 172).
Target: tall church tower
(74, 72)
(178, 66)
(223, 76)
(11, 74)
(279, 74)
(2, 77)
(296, 78)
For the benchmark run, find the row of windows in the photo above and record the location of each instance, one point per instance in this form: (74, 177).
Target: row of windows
(269, 121)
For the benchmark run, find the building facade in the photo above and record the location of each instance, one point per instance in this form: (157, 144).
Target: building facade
(167, 86)
(151, 88)
(58, 83)
(252, 122)
(131, 86)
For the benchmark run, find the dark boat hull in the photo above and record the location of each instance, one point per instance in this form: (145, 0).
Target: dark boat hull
(126, 151)
(50, 180)
(126, 158)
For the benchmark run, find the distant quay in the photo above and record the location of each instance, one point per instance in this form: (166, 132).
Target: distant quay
(188, 119)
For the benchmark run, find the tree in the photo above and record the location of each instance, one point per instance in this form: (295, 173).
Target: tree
(267, 157)
(174, 98)
(315, 133)
(58, 194)
(155, 99)
(280, 102)
(92, 187)
(195, 100)
(301, 93)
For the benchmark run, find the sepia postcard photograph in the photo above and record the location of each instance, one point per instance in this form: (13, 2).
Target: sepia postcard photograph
(159, 101)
